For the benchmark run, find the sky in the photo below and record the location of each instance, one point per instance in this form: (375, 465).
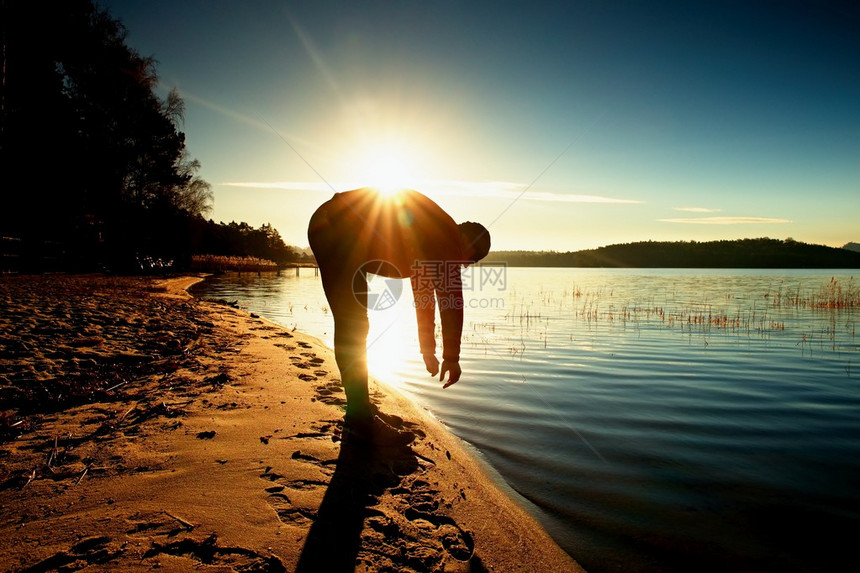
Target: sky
(558, 125)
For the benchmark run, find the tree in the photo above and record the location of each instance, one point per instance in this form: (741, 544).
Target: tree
(194, 196)
(241, 240)
(94, 160)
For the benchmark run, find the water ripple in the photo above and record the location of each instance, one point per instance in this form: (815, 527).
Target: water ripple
(660, 420)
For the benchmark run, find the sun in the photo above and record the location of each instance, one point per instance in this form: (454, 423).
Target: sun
(389, 167)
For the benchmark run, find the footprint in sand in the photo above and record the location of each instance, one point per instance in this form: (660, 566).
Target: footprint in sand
(207, 553)
(297, 362)
(457, 542)
(328, 427)
(305, 484)
(103, 553)
(289, 510)
(89, 551)
(408, 521)
(331, 394)
(313, 358)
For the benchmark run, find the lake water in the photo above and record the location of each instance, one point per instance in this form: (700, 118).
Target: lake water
(654, 420)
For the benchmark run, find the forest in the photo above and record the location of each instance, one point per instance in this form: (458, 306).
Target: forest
(743, 253)
(93, 165)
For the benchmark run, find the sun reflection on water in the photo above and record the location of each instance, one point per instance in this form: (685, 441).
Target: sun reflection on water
(392, 340)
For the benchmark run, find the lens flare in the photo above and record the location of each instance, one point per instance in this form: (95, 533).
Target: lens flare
(389, 167)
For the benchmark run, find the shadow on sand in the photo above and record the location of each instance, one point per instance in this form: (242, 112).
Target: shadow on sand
(364, 471)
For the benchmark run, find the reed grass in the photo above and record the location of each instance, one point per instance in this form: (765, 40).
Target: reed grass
(833, 295)
(757, 315)
(219, 263)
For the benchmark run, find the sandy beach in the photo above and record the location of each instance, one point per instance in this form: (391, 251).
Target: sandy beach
(143, 429)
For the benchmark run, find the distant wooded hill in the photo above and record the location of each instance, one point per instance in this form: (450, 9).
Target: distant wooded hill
(744, 253)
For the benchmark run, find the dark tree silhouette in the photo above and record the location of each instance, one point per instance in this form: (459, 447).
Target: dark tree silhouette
(93, 165)
(743, 253)
(242, 240)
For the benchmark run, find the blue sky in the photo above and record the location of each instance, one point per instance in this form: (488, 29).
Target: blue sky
(560, 125)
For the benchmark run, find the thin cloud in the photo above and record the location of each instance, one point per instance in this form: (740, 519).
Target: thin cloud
(728, 220)
(697, 210)
(576, 198)
(316, 187)
(480, 189)
(509, 190)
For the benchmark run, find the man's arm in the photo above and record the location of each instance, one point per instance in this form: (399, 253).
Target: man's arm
(425, 314)
(450, 295)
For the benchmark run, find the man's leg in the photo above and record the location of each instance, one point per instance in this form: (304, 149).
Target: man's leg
(350, 348)
(350, 335)
(332, 250)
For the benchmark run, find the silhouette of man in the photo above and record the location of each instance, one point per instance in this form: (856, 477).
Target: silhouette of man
(397, 236)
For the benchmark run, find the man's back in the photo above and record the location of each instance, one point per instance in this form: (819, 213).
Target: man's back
(402, 229)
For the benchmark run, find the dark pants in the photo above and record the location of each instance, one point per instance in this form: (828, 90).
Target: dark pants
(345, 285)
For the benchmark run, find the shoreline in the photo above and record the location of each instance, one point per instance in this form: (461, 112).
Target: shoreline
(233, 458)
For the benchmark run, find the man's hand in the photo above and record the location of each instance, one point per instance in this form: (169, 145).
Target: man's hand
(431, 363)
(453, 371)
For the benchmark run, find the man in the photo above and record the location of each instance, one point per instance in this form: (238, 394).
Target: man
(397, 236)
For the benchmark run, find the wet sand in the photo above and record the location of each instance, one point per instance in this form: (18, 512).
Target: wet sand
(142, 429)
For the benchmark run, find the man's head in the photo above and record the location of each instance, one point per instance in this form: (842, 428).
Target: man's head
(476, 240)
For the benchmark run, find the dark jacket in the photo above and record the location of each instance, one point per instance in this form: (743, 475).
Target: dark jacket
(413, 237)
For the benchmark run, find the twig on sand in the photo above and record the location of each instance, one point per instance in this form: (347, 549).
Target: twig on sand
(54, 453)
(127, 412)
(179, 520)
(115, 386)
(86, 469)
(30, 478)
